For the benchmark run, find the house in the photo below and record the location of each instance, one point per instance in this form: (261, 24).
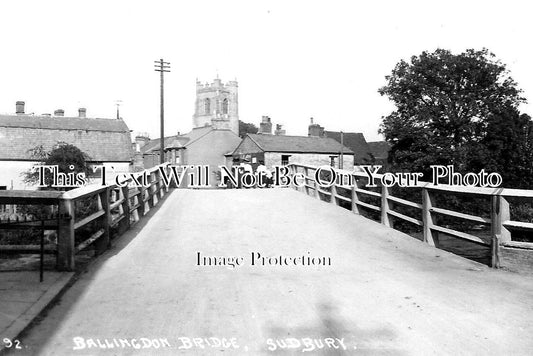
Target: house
(105, 141)
(363, 151)
(355, 141)
(276, 150)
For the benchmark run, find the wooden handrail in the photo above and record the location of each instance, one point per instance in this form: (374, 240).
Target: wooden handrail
(116, 206)
(499, 220)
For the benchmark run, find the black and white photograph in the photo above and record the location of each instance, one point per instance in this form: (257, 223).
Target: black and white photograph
(266, 177)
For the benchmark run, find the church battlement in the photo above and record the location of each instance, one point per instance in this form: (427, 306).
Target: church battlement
(216, 84)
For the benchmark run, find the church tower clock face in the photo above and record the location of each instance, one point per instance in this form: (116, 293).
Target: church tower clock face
(217, 105)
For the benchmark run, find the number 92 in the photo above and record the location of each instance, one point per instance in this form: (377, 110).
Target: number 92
(8, 343)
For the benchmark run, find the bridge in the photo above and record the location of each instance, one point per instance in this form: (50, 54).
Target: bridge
(262, 271)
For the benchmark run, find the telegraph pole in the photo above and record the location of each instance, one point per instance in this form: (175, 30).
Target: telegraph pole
(162, 67)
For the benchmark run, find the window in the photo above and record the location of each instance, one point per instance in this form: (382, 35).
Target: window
(225, 106)
(207, 106)
(285, 160)
(332, 161)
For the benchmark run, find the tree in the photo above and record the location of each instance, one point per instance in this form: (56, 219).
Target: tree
(245, 128)
(64, 156)
(455, 109)
(507, 147)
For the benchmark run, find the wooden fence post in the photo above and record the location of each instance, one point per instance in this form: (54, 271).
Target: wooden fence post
(306, 173)
(65, 236)
(499, 233)
(145, 206)
(125, 222)
(153, 188)
(431, 237)
(292, 170)
(135, 204)
(160, 183)
(103, 242)
(170, 185)
(385, 207)
(317, 194)
(355, 197)
(333, 190)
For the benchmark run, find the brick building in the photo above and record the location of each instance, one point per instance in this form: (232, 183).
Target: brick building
(105, 141)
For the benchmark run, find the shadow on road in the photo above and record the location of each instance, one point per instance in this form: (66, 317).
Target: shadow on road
(332, 335)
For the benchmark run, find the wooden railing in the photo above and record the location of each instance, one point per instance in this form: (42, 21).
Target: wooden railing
(505, 252)
(86, 216)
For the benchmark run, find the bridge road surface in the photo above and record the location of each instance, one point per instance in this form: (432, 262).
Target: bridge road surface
(385, 293)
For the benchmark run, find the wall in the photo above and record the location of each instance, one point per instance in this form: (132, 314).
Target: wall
(311, 159)
(150, 160)
(99, 145)
(210, 150)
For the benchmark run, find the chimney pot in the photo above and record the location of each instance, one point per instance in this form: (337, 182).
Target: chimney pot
(20, 107)
(265, 126)
(315, 130)
(279, 130)
(82, 112)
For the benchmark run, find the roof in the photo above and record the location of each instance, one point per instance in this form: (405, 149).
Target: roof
(379, 149)
(170, 142)
(297, 144)
(354, 140)
(176, 141)
(103, 140)
(63, 123)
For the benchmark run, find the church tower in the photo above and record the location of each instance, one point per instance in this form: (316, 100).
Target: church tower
(217, 105)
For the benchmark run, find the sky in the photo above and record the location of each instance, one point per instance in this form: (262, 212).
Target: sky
(292, 59)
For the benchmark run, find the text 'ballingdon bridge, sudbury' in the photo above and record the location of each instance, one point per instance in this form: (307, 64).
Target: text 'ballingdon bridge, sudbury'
(324, 270)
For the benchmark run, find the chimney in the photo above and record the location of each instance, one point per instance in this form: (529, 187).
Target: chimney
(20, 108)
(265, 127)
(82, 112)
(59, 112)
(142, 139)
(315, 130)
(279, 130)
